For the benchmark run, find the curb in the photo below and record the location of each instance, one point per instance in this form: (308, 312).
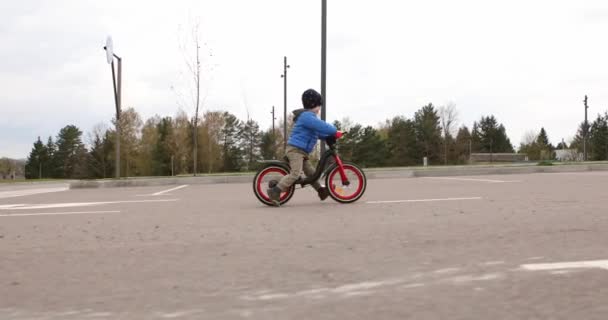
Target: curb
(510, 170)
(34, 182)
(371, 174)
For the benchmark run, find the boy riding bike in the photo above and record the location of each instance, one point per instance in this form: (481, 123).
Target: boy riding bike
(308, 128)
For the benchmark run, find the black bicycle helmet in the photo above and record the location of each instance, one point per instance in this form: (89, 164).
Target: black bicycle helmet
(311, 99)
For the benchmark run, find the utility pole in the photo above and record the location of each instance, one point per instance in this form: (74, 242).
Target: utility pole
(470, 151)
(198, 100)
(491, 151)
(273, 119)
(284, 76)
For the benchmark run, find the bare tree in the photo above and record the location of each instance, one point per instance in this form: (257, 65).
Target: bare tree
(180, 141)
(449, 124)
(529, 137)
(214, 122)
(97, 133)
(347, 123)
(94, 137)
(130, 136)
(191, 46)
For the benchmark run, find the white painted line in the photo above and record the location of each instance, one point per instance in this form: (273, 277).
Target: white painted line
(447, 270)
(474, 180)
(76, 204)
(413, 285)
(29, 192)
(9, 206)
(54, 213)
(179, 314)
(163, 192)
(595, 264)
(344, 290)
(273, 296)
(424, 200)
(471, 278)
(365, 286)
(354, 294)
(99, 314)
(561, 272)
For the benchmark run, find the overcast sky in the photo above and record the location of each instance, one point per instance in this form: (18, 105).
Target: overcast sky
(529, 63)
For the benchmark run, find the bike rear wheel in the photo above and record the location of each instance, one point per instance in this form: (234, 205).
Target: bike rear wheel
(268, 177)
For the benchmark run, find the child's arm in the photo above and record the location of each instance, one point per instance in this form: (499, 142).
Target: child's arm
(323, 128)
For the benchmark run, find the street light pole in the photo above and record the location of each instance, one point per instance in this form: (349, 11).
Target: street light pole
(117, 81)
(585, 129)
(118, 109)
(284, 76)
(323, 63)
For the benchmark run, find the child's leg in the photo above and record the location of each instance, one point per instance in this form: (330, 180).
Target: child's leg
(309, 171)
(296, 160)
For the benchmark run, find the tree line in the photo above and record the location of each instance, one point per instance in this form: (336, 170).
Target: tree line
(162, 146)
(431, 133)
(597, 138)
(538, 147)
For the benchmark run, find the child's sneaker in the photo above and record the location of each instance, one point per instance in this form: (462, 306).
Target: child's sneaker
(323, 193)
(274, 194)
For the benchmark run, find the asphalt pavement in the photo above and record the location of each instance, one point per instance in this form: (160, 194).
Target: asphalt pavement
(528, 246)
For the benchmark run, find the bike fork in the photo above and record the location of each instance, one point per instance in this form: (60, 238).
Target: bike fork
(345, 181)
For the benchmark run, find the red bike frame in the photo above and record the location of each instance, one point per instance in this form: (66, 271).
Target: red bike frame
(341, 170)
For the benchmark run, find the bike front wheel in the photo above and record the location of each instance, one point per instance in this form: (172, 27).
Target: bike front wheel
(346, 193)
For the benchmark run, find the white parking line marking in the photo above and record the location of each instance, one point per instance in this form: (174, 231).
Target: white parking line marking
(447, 270)
(162, 193)
(424, 200)
(474, 180)
(9, 206)
(54, 213)
(29, 192)
(345, 290)
(166, 191)
(595, 264)
(76, 204)
(472, 278)
(561, 272)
